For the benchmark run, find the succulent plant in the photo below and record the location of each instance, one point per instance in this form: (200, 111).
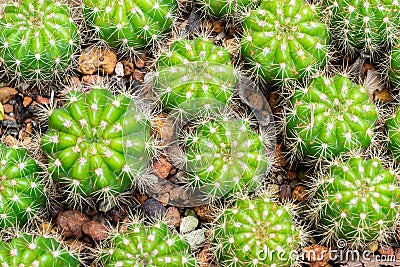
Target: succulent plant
(21, 187)
(153, 245)
(285, 40)
(257, 232)
(227, 8)
(35, 251)
(37, 38)
(394, 71)
(225, 156)
(193, 73)
(392, 127)
(98, 144)
(356, 200)
(130, 24)
(330, 116)
(363, 25)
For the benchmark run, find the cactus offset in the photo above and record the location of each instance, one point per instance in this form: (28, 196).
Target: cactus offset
(285, 40)
(330, 116)
(37, 39)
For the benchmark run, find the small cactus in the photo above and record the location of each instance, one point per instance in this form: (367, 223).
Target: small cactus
(257, 232)
(130, 24)
(356, 200)
(363, 25)
(394, 71)
(21, 187)
(194, 73)
(227, 8)
(97, 144)
(37, 38)
(35, 251)
(330, 116)
(153, 245)
(226, 156)
(285, 40)
(393, 131)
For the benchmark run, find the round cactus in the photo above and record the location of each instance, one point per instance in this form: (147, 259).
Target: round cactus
(365, 24)
(225, 156)
(194, 73)
(330, 116)
(37, 38)
(394, 71)
(97, 144)
(357, 200)
(35, 251)
(227, 8)
(393, 130)
(284, 40)
(21, 187)
(257, 232)
(130, 24)
(153, 245)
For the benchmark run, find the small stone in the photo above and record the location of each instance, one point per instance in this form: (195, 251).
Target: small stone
(280, 160)
(196, 239)
(373, 246)
(43, 100)
(188, 224)
(138, 75)
(153, 208)
(162, 167)
(75, 245)
(74, 82)
(6, 94)
(8, 108)
(386, 250)
(128, 67)
(397, 254)
(285, 192)
(97, 59)
(204, 256)
(91, 80)
(27, 101)
(163, 198)
(384, 96)
(10, 140)
(142, 198)
(95, 230)
(316, 255)
(218, 26)
(172, 217)
(119, 69)
(300, 194)
(292, 175)
(140, 61)
(70, 223)
(206, 213)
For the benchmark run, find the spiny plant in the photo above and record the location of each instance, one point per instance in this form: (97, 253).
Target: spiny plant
(356, 199)
(329, 116)
(257, 232)
(393, 130)
(97, 144)
(227, 8)
(148, 245)
(37, 39)
(285, 40)
(21, 187)
(224, 156)
(194, 73)
(35, 251)
(363, 25)
(394, 70)
(130, 24)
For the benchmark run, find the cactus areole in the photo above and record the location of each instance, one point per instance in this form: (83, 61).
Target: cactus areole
(37, 38)
(97, 144)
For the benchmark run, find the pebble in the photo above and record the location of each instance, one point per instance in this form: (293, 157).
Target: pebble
(7, 93)
(90, 80)
(188, 224)
(206, 213)
(196, 239)
(140, 61)
(172, 217)
(138, 75)
(97, 60)
(386, 250)
(95, 230)
(280, 160)
(285, 192)
(162, 167)
(128, 67)
(300, 194)
(43, 100)
(70, 223)
(27, 101)
(8, 108)
(204, 256)
(316, 255)
(153, 209)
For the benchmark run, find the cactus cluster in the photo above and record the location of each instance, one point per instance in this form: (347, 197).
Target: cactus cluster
(130, 24)
(394, 70)
(285, 41)
(393, 131)
(21, 187)
(35, 251)
(330, 116)
(37, 39)
(227, 8)
(357, 200)
(98, 144)
(143, 245)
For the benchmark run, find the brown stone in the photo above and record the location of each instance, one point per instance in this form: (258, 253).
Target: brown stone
(97, 60)
(205, 213)
(7, 93)
(316, 255)
(280, 160)
(386, 250)
(10, 140)
(27, 101)
(384, 96)
(205, 256)
(172, 217)
(8, 117)
(74, 82)
(70, 223)
(285, 192)
(138, 75)
(8, 108)
(95, 230)
(141, 198)
(218, 26)
(43, 100)
(128, 67)
(162, 167)
(300, 194)
(91, 80)
(292, 175)
(140, 61)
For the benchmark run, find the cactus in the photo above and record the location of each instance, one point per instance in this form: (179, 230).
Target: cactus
(225, 156)
(97, 144)
(363, 25)
(193, 73)
(227, 8)
(37, 39)
(257, 232)
(153, 245)
(130, 24)
(394, 71)
(21, 187)
(284, 40)
(356, 200)
(35, 251)
(330, 116)
(392, 127)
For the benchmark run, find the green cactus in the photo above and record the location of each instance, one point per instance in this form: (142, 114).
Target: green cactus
(257, 232)
(393, 131)
(130, 24)
(35, 251)
(394, 71)
(153, 245)
(330, 116)
(363, 24)
(97, 144)
(356, 200)
(225, 156)
(21, 187)
(193, 73)
(284, 40)
(227, 8)
(37, 38)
